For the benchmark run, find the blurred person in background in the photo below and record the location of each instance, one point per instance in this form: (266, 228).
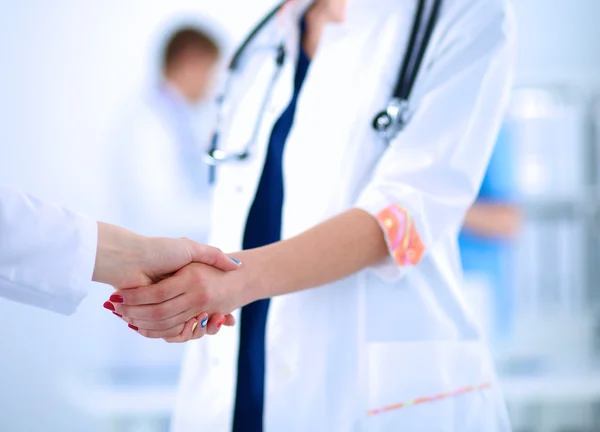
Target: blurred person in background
(490, 227)
(161, 181)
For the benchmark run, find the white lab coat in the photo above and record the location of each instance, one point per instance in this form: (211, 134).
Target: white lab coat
(159, 180)
(47, 253)
(394, 347)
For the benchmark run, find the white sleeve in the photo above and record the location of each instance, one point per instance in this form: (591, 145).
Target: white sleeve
(47, 253)
(430, 174)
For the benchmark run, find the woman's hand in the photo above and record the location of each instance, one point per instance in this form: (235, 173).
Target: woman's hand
(196, 291)
(193, 328)
(126, 260)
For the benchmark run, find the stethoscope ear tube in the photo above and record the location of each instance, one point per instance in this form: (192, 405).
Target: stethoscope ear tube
(387, 123)
(235, 60)
(391, 121)
(214, 156)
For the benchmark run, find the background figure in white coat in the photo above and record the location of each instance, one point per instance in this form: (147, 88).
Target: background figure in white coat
(162, 182)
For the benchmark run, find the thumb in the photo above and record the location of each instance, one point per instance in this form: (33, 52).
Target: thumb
(212, 256)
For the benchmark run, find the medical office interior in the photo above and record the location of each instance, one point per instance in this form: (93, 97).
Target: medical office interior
(72, 74)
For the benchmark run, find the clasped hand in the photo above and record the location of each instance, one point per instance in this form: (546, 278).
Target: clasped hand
(173, 289)
(194, 301)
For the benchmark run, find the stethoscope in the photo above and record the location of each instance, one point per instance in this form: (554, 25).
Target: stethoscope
(388, 123)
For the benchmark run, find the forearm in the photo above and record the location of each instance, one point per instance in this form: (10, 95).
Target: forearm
(328, 252)
(118, 256)
(332, 250)
(492, 220)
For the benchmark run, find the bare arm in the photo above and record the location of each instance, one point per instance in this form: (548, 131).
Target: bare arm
(493, 220)
(332, 250)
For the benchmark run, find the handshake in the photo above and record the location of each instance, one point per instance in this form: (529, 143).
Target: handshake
(174, 289)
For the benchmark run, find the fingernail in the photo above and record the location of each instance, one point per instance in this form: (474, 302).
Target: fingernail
(109, 306)
(204, 322)
(221, 323)
(116, 298)
(132, 327)
(238, 262)
(194, 326)
(119, 315)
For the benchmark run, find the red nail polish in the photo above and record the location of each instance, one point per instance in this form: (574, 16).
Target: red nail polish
(116, 298)
(109, 306)
(132, 327)
(119, 315)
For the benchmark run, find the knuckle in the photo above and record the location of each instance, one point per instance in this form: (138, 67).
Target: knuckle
(159, 293)
(216, 254)
(210, 254)
(158, 326)
(124, 311)
(132, 297)
(176, 332)
(166, 325)
(158, 313)
(196, 277)
(202, 299)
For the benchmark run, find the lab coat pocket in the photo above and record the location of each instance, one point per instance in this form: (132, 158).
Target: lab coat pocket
(431, 386)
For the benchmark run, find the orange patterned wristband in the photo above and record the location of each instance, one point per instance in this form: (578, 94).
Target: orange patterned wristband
(404, 241)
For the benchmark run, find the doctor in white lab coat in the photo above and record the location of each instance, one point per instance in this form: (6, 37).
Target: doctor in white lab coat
(385, 340)
(49, 255)
(160, 180)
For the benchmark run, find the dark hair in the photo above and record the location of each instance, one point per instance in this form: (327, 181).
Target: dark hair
(188, 38)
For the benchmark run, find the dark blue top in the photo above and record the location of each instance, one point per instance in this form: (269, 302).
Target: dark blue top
(262, 228)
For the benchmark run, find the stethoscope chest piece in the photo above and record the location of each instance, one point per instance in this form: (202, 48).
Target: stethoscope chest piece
(387, 123)
(390, 122)
(216, 156)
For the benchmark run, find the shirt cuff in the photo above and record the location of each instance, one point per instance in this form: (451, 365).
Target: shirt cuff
(65, 287)
(85, 258)
(405, 246)
(65, 284)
